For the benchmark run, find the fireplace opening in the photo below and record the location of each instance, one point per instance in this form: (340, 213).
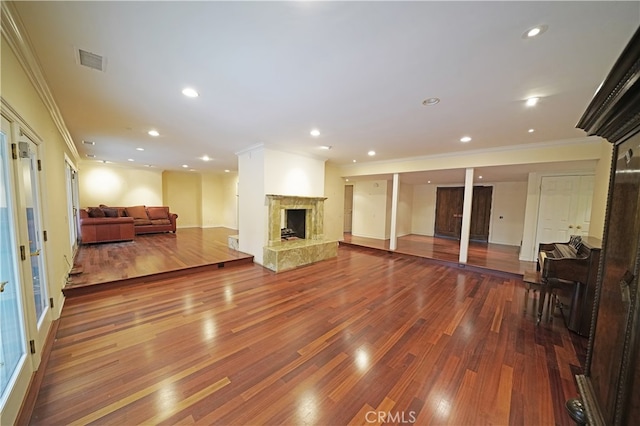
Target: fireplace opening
(295, 224)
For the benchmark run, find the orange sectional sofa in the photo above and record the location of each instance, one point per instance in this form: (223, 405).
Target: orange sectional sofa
(109, 224)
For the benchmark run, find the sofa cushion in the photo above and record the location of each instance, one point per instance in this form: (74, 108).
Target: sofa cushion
(96, 212)
(110, 212)
(137, 212)
(160, 222)
(156, 213)
(137, 222)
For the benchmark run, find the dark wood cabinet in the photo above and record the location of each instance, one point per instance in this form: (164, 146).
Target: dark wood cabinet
(609, 388)
(449, 203)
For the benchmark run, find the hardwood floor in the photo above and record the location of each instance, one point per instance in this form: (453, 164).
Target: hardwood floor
(364, 337)
(150, 256)
(496, 257)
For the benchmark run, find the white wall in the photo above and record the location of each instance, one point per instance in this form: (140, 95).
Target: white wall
(252, 207)
(423, 213)
(229, 204)
(118, 186)
(370, 209)
(292, 174)
(507, 213)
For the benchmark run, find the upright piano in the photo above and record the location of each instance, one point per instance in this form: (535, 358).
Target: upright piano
(576, 262)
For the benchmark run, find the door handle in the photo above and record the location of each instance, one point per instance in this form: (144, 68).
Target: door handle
(578, 227)
(570, 226)
(35, 253)
(2, 284)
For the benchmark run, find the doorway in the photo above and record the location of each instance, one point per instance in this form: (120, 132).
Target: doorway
(348, 208)
(449, 203)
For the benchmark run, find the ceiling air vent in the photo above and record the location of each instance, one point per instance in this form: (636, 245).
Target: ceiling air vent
(91, 60)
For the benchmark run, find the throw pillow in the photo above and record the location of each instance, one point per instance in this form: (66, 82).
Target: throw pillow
(158, 213)
(95, 212)
(136, 212)
(110, 212)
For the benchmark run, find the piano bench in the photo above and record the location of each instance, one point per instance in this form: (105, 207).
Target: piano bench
(533, 281)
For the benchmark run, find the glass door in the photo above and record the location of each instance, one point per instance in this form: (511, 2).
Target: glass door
(31, 213)
(14, 371)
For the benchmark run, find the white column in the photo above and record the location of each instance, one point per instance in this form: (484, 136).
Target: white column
(466, 216)
(393, 243)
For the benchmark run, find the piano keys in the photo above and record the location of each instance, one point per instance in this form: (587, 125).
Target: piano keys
(573, 264)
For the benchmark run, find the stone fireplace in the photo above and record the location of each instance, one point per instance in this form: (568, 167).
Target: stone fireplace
(307, 213)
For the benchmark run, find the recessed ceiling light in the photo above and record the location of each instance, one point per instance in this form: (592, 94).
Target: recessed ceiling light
(227, 170)
(535, 31)
(88, 143)
(532, 101)
(192, 170)
(189, 92)
(355, 161)
(91, 155)
(131, 159)
(205, 158)
(139, 149)
(531, 130)
(105, 161)
(465, 139)
(315, 133)
(371, 153)
(431, 101)
(148, 165)
(428, 181)
(153, 133)
(185, 166)
(346, 180)
(325, 147)
(480, 177)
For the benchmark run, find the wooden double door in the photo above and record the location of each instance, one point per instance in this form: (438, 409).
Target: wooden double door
(449, 203)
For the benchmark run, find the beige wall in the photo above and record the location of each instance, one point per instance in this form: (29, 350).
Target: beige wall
(600, 191)
(423, 214)
(118, 186)
(507, 213)
(334, 204)
(181, 191)
(22, 97)
(370, 209)
(405, 209)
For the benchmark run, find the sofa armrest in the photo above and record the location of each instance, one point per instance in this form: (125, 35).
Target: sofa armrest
(173, 217)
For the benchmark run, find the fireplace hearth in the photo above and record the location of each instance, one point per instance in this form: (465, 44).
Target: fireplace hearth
(304, 218)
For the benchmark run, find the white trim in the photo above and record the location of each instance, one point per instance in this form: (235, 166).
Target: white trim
(17, 38)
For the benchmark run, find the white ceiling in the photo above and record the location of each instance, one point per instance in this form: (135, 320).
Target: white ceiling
(269, 72)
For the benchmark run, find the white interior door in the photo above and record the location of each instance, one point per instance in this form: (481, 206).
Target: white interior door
(15, 371)
(565, 207)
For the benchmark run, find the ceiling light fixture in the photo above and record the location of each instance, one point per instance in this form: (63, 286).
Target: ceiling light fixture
(88, 143)
(153, 133)
(532, 101)
(190, 93)
(139, 149)
(371, 153)
(354, 161)
(131, 159)
(431, 101)
(531, 130)
(91, 155)
(479, 177)
(315, 133)
(535, 31)
(227, 170)
(325, 147)
(428, 181)
(185, 166)
(205, 158)
(465, 139)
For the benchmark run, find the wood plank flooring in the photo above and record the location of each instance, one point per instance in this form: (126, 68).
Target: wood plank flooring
(361, 339)
(496, 257)
(153, 255)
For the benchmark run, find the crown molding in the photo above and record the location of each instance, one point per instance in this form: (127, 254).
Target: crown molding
(16, 36)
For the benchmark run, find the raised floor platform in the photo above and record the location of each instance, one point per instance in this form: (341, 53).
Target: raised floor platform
(151, 257)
